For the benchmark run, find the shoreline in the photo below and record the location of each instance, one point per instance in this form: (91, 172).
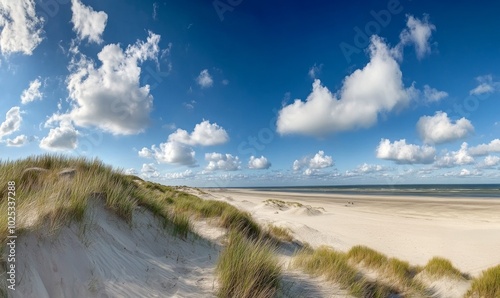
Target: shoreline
(412, 228)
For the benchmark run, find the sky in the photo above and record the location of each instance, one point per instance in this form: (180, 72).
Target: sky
(251, 93)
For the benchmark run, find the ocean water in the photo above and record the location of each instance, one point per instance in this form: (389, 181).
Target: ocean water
(436, 190)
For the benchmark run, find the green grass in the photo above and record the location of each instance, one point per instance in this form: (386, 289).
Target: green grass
(399, 274)
(367, 256)
(440, 267)
(279, 233)
(334, 266)
(181, 225)
(280, 203)
(487, 284)
(248, 268)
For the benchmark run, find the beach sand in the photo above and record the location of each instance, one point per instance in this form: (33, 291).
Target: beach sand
(464, 230)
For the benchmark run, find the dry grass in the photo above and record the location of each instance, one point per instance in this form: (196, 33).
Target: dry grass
(487, 285)
(248, 268)
(334, 266)
(279, 233)
(440, 267)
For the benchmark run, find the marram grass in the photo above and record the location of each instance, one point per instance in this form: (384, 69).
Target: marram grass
(248, 268)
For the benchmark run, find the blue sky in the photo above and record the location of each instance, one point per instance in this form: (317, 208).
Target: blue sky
(251, 93)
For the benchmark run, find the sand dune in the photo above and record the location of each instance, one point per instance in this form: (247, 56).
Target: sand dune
(105, 257)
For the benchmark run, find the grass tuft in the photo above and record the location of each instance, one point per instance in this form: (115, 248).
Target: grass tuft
(487, 284)
(279, 233)
(367, 256)
(440, 267)
(334, 265)
(181, 225)
(247, 268)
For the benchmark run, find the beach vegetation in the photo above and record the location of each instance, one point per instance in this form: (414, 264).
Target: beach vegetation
(248, 268)
(441, 267)
(280, 233)
(486, 285)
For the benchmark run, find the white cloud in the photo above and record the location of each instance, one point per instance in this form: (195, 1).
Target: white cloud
(315, 70)
(12, 122)
(486, 85)
(180, 175)
(110, 96)
(258, 163)
(433, 95)
(171, 153)
(456, 158)
(222, 162)
(225, 82)
(32, 93)
(366, 168)
(20, 27)
(490, 161)
(312, 165)
(403, 153)
(130, 171)
(440, 129)
(18, 141)
(204, 134)
(145, 153)
(464, 173)
(204, 79)
(61, 138)
(485, 149)
(366, 93)
(149, 171)
(418, 33)
(88, 23)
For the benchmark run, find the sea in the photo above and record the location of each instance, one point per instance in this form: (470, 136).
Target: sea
(428, 190)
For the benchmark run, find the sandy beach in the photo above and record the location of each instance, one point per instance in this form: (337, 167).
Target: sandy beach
(464, 230)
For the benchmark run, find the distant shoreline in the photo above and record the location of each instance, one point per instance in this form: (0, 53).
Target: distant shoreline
(417, 190)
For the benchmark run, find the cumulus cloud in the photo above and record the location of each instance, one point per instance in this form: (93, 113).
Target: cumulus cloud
(170, 153)
(205, 79)
(367, 168)
(258, 163)
(180, 175)
(222, 162)
(366, 93)
(130, 171)
(403, 153)
(456, 158)
(490, 161)
(312, 165)
(440, 129)
(433, 95)
(204, 134)
(486, 85)
(149, 171)
(32, 93)
(62, 138)
(18, 141)
(464, 173)
(485, 149)
(110, 97)
(88, 23)
(20, 27)
(12, 122)
(418, 33)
